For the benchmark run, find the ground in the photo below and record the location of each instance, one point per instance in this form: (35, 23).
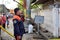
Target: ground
(6, 36)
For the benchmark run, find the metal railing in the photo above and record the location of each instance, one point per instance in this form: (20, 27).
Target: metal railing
(7, 31)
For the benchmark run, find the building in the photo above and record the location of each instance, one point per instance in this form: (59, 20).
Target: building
(51, 13)
(3, 9)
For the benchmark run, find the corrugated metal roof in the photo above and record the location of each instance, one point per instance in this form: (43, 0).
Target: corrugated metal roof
(44, 1)
(41, 1)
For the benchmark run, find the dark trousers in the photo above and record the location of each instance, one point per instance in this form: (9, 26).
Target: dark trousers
(3, 25)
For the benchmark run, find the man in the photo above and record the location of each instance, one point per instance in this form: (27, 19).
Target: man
(18, 25)
(3, 20)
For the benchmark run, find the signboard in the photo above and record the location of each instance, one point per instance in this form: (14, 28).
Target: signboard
(39, 19)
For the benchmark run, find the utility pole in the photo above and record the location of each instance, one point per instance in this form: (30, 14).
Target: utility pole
(27, 5)
(28, 9)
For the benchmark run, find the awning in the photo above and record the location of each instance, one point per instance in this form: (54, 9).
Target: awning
(41, 1)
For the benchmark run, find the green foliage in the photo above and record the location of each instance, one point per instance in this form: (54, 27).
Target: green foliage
(20, 5)
(32, 6)
(36, 6)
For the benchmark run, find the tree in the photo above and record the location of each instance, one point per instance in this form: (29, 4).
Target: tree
(32, 6)
(21, 6)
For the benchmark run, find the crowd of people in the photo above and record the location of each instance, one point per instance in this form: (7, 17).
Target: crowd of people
(3, 20)
(18, 19)
(18, 23)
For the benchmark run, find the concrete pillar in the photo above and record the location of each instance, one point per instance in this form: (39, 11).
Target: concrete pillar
(55, 21)
(59, 22)
(28, 10)
(24, 5)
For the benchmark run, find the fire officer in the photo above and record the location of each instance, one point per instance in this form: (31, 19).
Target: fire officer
(18, 25)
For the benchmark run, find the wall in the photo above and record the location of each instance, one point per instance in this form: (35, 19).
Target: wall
(47, 17)
(51, 21)
(59, 21)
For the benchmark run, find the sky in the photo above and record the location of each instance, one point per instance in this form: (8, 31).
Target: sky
(9, 4)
